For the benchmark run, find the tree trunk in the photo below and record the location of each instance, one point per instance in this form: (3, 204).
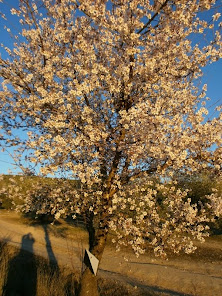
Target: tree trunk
(97, 242)
(88, 284)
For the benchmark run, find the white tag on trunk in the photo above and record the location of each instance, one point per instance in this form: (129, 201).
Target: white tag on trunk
(91, 261)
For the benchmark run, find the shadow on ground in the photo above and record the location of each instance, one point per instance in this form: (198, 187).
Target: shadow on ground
(22, 271)
(21, 278)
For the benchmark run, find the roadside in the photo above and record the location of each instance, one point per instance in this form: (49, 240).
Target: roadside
(199, 275)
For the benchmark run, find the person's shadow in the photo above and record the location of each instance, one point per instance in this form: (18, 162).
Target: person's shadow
(22, 271)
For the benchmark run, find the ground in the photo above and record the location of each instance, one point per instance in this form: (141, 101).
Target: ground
(199, 274)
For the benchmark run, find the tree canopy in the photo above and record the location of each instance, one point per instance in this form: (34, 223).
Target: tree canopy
(107, 93)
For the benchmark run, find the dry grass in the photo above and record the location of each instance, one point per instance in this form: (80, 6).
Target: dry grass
(25, 274)
(22, 273)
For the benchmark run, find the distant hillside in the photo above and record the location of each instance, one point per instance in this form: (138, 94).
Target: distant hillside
(22, 184)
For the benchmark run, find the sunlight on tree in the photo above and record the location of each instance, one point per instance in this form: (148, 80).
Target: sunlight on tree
(106, 92)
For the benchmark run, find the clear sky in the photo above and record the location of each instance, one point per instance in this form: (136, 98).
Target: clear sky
(212, 76)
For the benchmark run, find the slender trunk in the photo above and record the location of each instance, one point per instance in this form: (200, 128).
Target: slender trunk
(88, 284)
(97, 242)
(97, 239)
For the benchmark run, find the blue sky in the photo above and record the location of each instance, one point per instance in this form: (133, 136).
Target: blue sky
(212, 76)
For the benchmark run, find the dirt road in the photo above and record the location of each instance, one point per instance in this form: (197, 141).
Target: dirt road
(180, 276)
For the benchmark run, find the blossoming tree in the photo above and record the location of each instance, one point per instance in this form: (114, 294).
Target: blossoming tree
(106, 92)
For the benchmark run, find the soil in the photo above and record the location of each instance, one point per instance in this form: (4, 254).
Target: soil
(199, 274)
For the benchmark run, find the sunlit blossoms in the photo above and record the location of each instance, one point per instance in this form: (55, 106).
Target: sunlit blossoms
(106, 93)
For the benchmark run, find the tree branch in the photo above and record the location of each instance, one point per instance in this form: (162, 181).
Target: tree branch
(153, 17)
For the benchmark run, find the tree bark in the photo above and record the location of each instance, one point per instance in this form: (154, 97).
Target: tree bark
(88, 283)
(97, 239)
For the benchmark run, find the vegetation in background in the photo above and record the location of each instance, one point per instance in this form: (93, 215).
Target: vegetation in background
(200, 186)
(197, 185)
